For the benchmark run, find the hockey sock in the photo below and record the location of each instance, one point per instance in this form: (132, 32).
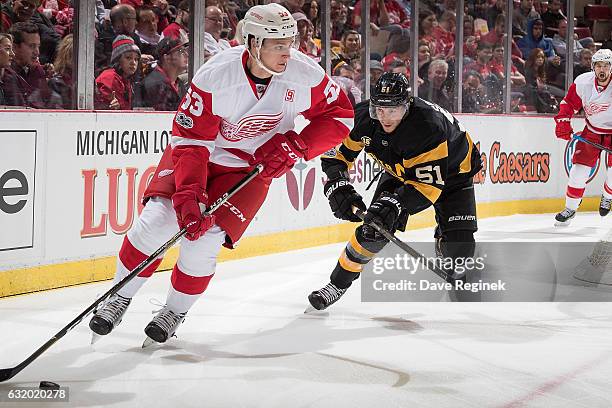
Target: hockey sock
(185, 290)
(360, 249)
(579, 174)
(128, 259)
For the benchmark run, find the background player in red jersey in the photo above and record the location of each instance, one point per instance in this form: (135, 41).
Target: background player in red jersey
(592, 92)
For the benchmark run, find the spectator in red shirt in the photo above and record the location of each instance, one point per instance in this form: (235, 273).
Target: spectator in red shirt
(445, 31)
(398, 50)
(498, 34)
(431, 32)
(484, 53)
(497, 67)
(383, 13)
(114, 87)
(180, 27)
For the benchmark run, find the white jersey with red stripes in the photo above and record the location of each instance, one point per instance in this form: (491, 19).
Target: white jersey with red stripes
(223, 112)
(596, 101)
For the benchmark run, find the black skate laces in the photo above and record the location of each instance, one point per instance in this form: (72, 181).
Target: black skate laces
(605, 202)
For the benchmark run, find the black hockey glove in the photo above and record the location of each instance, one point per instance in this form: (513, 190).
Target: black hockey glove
(342, 197)
(385, 211)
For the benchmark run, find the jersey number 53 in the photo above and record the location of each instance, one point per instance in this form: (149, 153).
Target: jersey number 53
(193, 101)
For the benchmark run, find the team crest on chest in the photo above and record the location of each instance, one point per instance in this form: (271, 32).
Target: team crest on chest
(250, 126)
(593, 108)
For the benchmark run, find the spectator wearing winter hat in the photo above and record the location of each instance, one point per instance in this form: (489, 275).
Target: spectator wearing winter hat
(306, 42)
(122, 22)
(114, 87)
(162, 89)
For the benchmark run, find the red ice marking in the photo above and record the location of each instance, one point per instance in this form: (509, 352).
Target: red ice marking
(546, 387)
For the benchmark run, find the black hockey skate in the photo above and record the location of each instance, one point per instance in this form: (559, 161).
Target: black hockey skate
(323, 298)
(564, 217)
(604, 206)
(163, 326)
(109, 315)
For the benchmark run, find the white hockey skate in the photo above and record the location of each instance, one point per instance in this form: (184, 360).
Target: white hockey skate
(108, 316)
(163, 326)
(564, 218)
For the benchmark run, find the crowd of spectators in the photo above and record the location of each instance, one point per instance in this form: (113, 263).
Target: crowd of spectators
(141, 50)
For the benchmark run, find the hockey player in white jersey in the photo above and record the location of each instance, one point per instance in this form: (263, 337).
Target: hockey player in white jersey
(592, 92)
(239, 111)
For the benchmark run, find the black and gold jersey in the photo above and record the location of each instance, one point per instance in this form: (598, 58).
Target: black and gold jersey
(428, 150)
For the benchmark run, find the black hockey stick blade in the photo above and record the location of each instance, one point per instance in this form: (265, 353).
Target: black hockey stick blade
(8, 373)
(407, 248)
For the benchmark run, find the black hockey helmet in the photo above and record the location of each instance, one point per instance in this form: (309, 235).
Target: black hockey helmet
(391, 90)
(391, 95)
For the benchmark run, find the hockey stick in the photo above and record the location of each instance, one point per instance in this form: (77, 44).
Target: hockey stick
(402, 245)
(597, 145)
(8, 373)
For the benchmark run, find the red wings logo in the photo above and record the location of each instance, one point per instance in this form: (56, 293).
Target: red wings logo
(594, 108)
(250, 126)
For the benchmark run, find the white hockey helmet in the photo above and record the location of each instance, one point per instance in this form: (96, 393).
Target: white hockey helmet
(603, 55)
(268, 21)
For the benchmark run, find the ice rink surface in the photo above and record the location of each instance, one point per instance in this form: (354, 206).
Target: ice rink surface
(247, 343)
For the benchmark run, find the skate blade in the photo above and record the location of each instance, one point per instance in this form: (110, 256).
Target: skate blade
(562, 223)
(311, 311)
(95, 338)
(148, 342)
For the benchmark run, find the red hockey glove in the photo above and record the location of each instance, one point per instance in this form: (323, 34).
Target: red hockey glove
(564, 130)
(189, 207)
(279, 154)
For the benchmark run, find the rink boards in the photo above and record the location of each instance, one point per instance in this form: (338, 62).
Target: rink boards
(71, 185)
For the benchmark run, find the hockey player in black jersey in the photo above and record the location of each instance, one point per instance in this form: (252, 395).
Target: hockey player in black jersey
(428, 158)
